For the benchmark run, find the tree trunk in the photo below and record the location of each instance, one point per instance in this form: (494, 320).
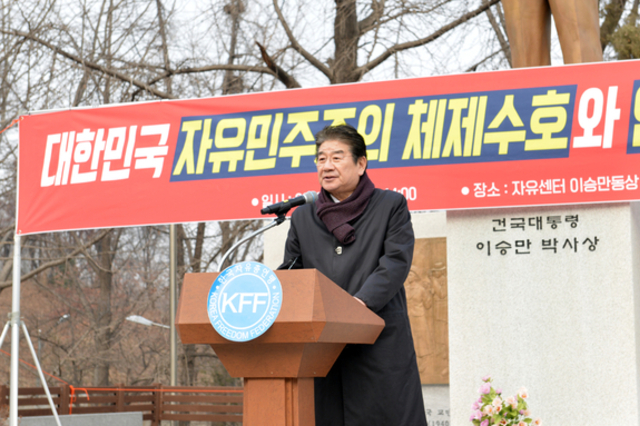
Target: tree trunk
(104, 260)
(346, 43)
(232, 82)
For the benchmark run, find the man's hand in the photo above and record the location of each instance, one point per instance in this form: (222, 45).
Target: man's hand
(361, 302)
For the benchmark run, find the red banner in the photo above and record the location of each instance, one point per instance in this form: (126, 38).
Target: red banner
(553, 135)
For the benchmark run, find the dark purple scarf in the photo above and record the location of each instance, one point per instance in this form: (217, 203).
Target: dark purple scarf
(336, 216)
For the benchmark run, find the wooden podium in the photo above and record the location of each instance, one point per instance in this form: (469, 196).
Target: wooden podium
(317, 319)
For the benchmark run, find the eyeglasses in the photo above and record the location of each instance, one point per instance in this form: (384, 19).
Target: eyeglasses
(335, 159)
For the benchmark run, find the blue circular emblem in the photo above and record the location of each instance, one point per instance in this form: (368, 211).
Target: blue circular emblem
(244, 301)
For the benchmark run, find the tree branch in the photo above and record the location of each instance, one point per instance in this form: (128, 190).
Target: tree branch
(91, 65)
(280, 74)
(296, 46)
(613, 11)
(97, 268)
(416, 43)
(504, 44)
(633, 16)
(60, 261)
(207, 68)
(377, 9)
(407, 10)
(477, 64)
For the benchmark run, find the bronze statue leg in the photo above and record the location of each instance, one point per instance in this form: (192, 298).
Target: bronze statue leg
(529, 31)
(578, 29)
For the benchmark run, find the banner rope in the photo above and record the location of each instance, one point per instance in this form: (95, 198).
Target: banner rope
(13, 123)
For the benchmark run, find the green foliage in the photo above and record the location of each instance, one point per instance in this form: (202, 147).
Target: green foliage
(626, 42)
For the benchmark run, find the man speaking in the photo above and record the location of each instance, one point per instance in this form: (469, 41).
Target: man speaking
(362, 239)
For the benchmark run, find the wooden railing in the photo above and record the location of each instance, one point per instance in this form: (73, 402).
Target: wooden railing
(157, 403)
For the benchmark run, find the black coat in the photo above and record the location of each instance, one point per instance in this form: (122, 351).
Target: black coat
(375, 384)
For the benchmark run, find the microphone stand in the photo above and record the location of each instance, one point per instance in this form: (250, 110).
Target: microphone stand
(277, 221)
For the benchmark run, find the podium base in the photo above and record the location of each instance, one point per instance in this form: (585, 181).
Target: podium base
(278, 402)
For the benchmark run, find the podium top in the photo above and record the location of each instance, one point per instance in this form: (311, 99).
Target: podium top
(314, 310)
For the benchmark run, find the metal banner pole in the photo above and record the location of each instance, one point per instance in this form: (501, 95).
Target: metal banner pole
(41, 374)
(15, 334)
(173, 265)
(172, 301)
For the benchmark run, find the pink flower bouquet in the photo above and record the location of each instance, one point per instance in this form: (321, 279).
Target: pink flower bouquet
(492, 409)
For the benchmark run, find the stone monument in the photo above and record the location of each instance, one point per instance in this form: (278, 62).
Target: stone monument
(547, 298)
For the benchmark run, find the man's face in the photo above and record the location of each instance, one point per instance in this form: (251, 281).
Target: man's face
(338, 174)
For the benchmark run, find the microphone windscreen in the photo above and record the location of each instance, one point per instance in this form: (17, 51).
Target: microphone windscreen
(310, 197)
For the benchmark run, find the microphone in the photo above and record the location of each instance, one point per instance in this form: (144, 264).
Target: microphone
(284, 206)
